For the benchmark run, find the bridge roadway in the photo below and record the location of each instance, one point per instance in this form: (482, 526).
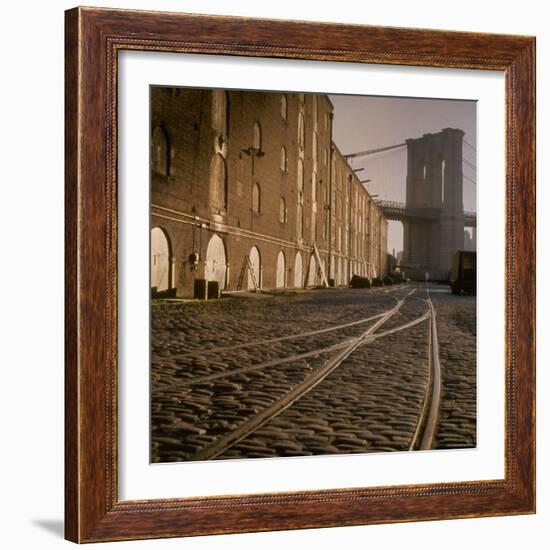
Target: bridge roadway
(401, 212)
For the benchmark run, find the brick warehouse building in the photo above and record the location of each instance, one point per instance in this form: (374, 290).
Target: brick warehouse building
(248, 189)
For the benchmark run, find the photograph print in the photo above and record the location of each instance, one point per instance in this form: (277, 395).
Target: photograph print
(313, 274)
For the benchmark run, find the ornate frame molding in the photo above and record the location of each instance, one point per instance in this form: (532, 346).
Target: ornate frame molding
(93, 38)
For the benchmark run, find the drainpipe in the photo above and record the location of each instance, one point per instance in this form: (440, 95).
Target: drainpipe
(350, 194)
(330, 205)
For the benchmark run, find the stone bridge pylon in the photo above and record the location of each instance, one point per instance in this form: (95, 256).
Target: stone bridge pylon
(433, 217)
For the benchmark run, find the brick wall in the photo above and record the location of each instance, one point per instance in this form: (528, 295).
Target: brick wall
(258, 170)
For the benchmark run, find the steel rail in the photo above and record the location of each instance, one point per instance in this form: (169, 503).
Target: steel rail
(194, 352)
(429, 416)
(254, 422)
(288, 359)
(426, 401)
(283, 338)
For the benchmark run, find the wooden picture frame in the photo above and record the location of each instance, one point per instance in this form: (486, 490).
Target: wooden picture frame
(93, 511)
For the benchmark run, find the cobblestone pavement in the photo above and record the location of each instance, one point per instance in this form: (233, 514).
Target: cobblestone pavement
(456, 327)
(207, 380)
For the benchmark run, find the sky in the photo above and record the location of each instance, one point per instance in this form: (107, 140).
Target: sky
(368, 122)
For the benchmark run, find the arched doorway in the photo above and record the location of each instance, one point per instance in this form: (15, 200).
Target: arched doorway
(255, 262)
(345, 280)
(281, 267)
(216, 261)
(312, 272)
(161, 273)
(298, 270)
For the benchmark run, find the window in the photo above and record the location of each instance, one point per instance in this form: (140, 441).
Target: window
(160, 154)
(256, 199)
(284, 107)
(300, 176)
(300, 221)
(284, 166)
(314, 148)
(301, 130)
(219, 111)
(282, 210)
(218, 184)
(314, 108)
(257, 137)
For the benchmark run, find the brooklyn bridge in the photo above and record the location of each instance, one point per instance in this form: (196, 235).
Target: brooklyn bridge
(432, 215)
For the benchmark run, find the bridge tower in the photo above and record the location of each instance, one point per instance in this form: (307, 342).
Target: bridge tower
(434, 182)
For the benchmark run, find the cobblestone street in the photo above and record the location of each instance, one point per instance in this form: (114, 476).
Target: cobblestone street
(309, 372)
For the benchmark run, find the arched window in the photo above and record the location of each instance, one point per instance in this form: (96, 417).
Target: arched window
(284, 106)
(282, 210)
(256, 198)
(218, 184)
(160, 154)
(314, 108)
(220, 111)
(283, 160)
(301, 130)
(300, 222)
(257, 137)
(314, 149)
(300, 176)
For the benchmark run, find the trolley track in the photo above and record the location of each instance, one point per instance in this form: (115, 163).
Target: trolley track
(248, 426)
(185, 363)
(426, 424)
(283, 338)
(424, 434)
(292, 358)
